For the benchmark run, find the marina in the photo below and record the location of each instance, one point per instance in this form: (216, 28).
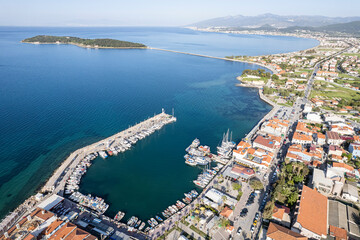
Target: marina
(67, 178)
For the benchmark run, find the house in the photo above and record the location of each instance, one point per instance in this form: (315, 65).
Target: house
(307, 108)
(300, 138)
(332, 118)
(337, 233)
(30, 226)
(319, 138)
(354, 149)
(314, 117)
(342, 129)
(226, 212)
(311, 214)
(281, 215)
(275, 127)
(350, 192)
(267, 143)
(253, 157)
(333, 138)
(302, 128)
(70, 231)
(335, 150)
(277, 232)
(342, 167)
(321, 183)
(317, 102)
(304, 75)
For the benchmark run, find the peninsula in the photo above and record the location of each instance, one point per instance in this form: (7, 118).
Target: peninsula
(83, 42)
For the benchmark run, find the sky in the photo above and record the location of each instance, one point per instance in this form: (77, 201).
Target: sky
(157, 12)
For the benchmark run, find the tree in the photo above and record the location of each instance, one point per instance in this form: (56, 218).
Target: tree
(223, 222)
(236, 186)
(292, 198)
(275, 77)
(268, 210)
(256, 184)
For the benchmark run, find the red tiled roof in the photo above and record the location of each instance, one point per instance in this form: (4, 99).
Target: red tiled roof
(277, 232)
(312, 213)
(338, 233)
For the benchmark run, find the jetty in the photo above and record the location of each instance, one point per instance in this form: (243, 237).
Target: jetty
(56, 183)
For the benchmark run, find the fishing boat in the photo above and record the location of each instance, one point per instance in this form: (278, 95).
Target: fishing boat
(120, 215)
(159, 218)
(138, 223)
(142, 226)
(154, 221)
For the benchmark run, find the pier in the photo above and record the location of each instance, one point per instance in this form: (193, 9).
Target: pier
(220, 58)
(57, 181)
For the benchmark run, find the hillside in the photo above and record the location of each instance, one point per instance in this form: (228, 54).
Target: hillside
(273, 20)
(98, 43)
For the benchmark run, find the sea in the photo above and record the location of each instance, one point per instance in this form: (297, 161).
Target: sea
(55, 99)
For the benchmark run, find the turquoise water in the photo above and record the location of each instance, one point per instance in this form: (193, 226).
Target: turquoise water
(57, 98)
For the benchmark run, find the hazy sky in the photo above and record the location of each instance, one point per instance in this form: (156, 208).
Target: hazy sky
(157, 12)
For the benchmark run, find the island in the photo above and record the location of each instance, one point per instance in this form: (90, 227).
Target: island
(83, 42)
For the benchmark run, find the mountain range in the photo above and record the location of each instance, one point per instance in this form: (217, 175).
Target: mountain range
(274, 21)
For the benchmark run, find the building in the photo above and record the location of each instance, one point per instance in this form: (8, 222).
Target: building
(218, 197)
(342, 129)
(226, 212)
(333, 138)
(333, 118)
(30, 226)
(321, 183)
(281, 215)
(337, 233)
(277, 232)
(335, 150)
(252, 156)
(301, 138)
(350, 192)
(314, 117)
(275, 127)
(354, 149)
(342, 167)
(70, 231)
(344, 217)
(319, 138)
(311, 214)
(237, 172)
(268, 143)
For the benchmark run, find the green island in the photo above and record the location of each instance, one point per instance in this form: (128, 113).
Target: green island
(82, 42)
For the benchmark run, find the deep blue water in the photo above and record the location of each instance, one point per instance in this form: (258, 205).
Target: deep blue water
(57, 98)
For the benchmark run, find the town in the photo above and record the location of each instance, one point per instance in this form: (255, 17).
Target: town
(294, 176)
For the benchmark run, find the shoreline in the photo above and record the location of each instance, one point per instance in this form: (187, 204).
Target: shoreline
(74, 155)
(83, 46)
(261, 34)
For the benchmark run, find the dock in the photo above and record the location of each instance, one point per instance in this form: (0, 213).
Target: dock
(57, 181)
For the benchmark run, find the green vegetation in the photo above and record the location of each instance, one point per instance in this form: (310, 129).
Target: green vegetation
(223, 222)
(330, 91)
(256, 184)
(201, 233)
(285, 191)
(268, 210)
(100, 43)
(258, 72)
